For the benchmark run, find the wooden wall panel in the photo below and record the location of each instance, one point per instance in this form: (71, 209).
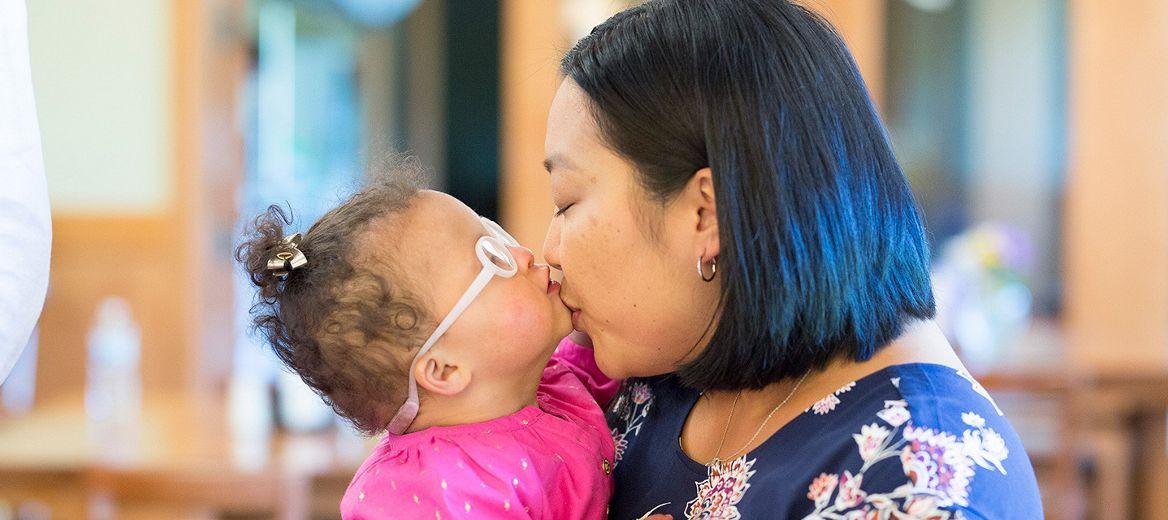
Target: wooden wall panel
(174, 267)
(861, 22)
(534, 39)
(138, 258)
(214, 65)
(533, 42)
(1116, 221)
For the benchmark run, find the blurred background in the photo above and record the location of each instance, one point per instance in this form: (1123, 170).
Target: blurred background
(1034, 133)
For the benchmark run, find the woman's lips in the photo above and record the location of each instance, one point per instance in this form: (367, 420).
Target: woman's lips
(553, 287)
(577, 315)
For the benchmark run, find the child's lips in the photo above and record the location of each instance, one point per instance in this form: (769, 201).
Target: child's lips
(550, 285)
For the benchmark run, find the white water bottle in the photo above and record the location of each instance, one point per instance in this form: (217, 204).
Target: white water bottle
(113, 389)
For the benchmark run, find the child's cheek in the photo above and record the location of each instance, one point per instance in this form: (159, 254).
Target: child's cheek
(523, 316)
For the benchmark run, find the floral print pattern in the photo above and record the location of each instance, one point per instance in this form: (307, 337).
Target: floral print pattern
(822, 488)
(827, 404)
(912, 441)
(718, 495)
(939, 468)
(631, 418)
(895, 413)
(935, 465)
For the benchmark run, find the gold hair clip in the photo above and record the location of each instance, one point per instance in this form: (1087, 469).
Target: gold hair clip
(289, 258)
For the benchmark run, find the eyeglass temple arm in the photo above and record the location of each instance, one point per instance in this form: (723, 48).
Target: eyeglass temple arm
(410, 407)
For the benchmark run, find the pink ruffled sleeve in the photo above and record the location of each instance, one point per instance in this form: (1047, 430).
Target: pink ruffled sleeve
(582, 363)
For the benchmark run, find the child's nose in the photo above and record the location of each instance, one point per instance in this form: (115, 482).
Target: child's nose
(523, 257)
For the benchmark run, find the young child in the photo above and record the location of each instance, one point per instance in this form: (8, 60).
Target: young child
(409, 313)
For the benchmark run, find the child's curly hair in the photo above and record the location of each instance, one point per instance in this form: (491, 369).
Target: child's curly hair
(345, 322)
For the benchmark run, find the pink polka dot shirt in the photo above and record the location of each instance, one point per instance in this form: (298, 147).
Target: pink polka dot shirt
(553, 461)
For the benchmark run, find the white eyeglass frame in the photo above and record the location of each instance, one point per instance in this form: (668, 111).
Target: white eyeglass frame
(496, 244)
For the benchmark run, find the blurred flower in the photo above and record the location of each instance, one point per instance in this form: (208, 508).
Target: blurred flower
(980, 285)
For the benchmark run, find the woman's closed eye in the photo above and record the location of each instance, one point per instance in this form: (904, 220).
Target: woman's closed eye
(560, 211)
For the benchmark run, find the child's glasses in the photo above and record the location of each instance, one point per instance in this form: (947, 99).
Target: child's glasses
(492, 251)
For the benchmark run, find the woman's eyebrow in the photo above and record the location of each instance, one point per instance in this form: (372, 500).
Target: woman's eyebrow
(557, 161)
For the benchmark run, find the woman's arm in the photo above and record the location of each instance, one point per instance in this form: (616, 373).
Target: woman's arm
(25, 231)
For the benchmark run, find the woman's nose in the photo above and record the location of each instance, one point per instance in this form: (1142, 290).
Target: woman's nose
(551, 244)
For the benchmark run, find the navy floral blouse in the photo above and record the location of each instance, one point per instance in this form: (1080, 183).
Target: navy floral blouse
(910, 441)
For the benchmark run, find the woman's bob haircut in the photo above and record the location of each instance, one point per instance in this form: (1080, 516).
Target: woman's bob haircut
(823, 252)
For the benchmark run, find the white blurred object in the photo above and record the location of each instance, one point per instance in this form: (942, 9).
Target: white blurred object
(25, 231)
(350, 444)
(301, 410)
(16, 393)
(113, 387)
(249, 410)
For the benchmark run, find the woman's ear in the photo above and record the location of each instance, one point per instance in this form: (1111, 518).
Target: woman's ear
(440, 375)
(702, 201)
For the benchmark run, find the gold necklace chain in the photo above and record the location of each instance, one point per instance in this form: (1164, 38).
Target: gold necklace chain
(718, 460)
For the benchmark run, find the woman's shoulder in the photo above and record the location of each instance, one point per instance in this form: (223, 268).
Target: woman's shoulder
(919, 438)
(932, 392)
(936, 388)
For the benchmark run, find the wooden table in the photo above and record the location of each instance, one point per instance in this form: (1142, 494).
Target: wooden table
(1109, 452)
(188, 463)
(184, 462)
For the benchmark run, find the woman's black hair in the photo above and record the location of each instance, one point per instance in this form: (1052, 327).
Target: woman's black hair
(823, 252)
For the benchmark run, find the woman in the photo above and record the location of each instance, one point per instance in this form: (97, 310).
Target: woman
(739, 243)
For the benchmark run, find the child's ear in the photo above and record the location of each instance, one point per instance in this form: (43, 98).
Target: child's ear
(440, 375)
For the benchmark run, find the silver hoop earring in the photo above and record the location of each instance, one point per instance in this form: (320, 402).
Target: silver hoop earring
(713, 269)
